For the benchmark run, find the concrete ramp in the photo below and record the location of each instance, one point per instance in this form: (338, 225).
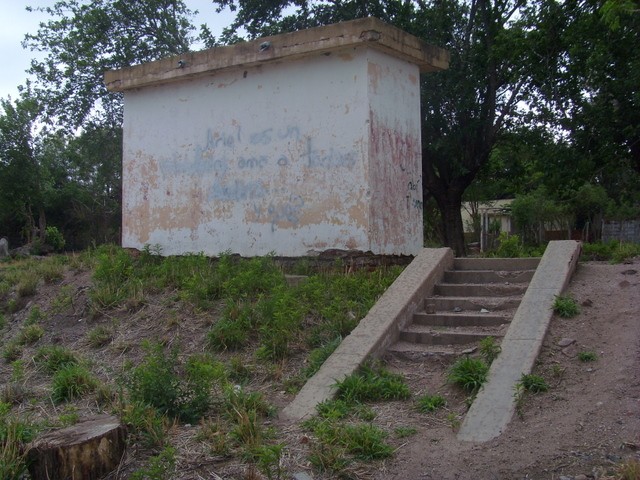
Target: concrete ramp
(494, 406)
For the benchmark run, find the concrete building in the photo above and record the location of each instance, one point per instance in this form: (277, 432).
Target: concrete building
(290, 144)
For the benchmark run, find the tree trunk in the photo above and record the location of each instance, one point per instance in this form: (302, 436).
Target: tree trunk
(453, 228)
(85, 451)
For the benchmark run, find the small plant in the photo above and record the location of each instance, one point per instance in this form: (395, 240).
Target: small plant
(12, 351)
(454, 420)
(329, 458)
(469, 374)
(268, 460)
(586, 356)
(71, 382)
(489, 350)
(214, 435)
(565, 306)
(99, 336)
(533, 383)
(334, 409)
(370, 384)
(28, 284)
(54, 358)
(404, 432)
(146, 423)
(318, 356)
(14, 435)
(30, 334)
(63, 300)
(160, 467)
(430, 403)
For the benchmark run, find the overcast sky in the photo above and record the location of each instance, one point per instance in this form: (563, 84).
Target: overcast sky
(15, 22)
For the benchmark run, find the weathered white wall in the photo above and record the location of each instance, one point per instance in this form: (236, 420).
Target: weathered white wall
(306, 155)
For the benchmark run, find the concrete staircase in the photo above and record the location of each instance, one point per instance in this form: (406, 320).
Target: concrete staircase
(475, 299)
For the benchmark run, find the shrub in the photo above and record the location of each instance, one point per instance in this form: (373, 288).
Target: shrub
(54, 238)
(158, 382)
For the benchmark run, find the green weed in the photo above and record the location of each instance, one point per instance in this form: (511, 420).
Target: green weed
(53, 358)
(565, 306)
(99, 336)
(404, 432)
(232, 330)
(146, 423)
(489, 350)
(334, 409)
(469, 374)
(585, 356)
(268, 460)
(27, 284)
(160, 467)
(30, 334)
(63, 300)
(430, 403)
(15, 434)
(317, 357)
(370, 384)
(533, 383)
(72, 381)
(12, 351)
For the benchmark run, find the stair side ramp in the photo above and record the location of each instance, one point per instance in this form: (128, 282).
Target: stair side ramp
(378, 330)
(494, 405)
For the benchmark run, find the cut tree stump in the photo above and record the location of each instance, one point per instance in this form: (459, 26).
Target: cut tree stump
(85, 451)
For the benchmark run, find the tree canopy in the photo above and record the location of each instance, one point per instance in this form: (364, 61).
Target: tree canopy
(539, 94)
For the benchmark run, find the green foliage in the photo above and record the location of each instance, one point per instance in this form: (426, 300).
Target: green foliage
(334, 409)
(364, 441)
(369, 384)
(158, 382)
(404, 432)
(146, 423)
(15, 434)
(430, 403)
(317, 357)
(469, 374)
(613, 251)
(27, 284)
(12, 351)
(231, 331)
(99, 336)
(53, 358)
(159, 467)
(533, 383)
(565, 306)
(54, 238)
(72, 381)
(489, 350)
(268, 460)
(281, 318)
(30, 334)
(586, 356)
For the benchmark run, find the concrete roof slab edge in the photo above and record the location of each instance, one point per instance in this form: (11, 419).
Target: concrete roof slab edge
(370, 32)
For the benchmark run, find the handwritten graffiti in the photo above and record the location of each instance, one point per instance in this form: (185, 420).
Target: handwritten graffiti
(280, 214)
(238, 190)
(327, 158)
(253, 162)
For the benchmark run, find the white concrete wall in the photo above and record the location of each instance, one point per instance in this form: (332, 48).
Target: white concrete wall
(293, 157)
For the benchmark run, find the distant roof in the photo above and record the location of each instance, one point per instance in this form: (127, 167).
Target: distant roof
(371, 32)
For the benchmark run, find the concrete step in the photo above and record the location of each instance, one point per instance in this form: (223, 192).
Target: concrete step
(487, 276)
(472, 304)
(416, 351)
(480, 290)
(430, 336)
(459, 319)
(496, 264)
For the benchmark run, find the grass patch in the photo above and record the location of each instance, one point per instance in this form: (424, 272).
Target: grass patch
(565, 306)
(99, 336)
(533, 383)
(586, 356)
(30, 334)
(489, 349)
(70, 382)
(53, 358)
(469, 374)
(430, 403)
(369, 384)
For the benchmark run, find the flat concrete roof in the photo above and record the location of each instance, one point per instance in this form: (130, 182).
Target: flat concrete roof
(371, 32)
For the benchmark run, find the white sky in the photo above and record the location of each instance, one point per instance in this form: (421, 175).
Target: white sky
(15, 22)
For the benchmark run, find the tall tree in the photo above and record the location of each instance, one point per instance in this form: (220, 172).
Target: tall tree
(85, 38)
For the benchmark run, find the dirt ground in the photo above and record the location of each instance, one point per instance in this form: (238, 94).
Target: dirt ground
(587, 422)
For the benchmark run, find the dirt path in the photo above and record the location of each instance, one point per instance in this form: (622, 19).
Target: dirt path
(589, 419)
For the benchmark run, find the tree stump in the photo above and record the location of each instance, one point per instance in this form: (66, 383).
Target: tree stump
(85, 451)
